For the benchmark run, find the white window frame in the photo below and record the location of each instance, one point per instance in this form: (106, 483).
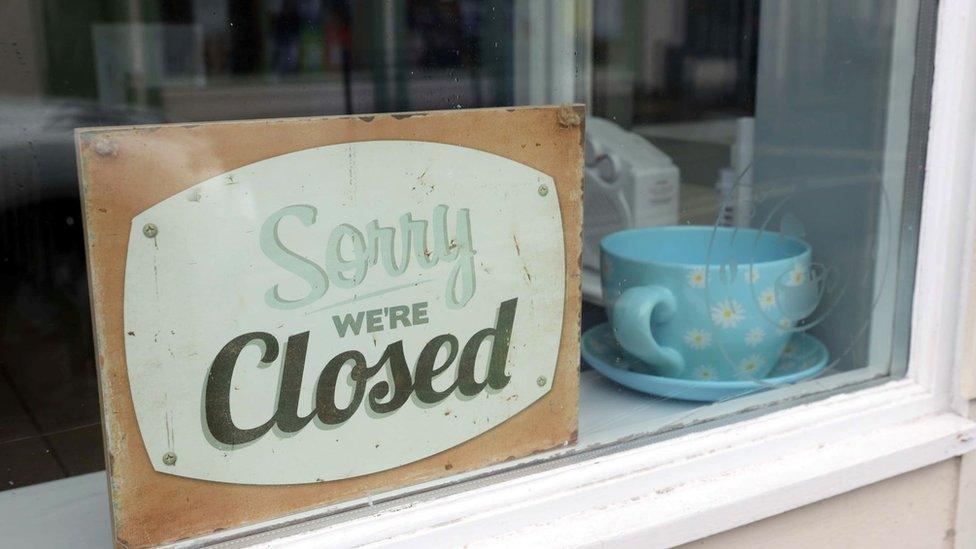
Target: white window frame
(679, 490)
(701, 483)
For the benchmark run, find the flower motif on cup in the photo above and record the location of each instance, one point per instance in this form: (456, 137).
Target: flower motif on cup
(697, 338)
(767, 299)
(696, 277)
(784, 325)
(755, 336)
(749, 367)
(797, 275)
(752, 274)
(728, 313)
(789, 349)
(705, 372)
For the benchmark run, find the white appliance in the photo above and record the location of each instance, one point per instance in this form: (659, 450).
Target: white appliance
(628, 183)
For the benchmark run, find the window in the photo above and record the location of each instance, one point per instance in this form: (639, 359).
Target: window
(782, 144)
(761, 120)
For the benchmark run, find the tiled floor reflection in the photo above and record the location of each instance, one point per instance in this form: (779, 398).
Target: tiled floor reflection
(29, 455)
(49, 414)
(49, 429)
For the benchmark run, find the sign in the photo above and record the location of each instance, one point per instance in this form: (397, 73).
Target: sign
(293, 313)
(316, 308)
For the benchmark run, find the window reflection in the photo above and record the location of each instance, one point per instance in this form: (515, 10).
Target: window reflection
(67, 64)
(717, 113)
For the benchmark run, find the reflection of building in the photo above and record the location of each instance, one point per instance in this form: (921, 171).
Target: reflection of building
(277, 57)
(674, 60)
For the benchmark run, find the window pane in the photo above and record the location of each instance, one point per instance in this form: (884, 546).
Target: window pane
(68, 64)
(769, 120)
(768, 153)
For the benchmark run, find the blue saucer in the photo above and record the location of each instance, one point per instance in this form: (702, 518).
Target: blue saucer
(601, 351)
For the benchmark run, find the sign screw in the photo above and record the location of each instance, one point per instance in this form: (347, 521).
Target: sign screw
(543, 190)
(567, 117)
(150, 230)
(169, 458)
(105, 147)
(541, 382)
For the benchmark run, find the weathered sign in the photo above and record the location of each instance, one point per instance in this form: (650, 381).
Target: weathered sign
(297, 312)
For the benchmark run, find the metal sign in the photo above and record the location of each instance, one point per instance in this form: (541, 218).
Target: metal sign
(341, 310)
(328, 308)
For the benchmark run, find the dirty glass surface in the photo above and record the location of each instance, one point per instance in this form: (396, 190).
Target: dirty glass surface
(784, 130)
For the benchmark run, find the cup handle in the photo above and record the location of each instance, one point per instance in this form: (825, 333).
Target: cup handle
(633, 313)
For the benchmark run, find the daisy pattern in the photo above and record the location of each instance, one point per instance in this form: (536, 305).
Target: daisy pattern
(696, 277)
(705, 372)
(749, 367)
(755, 336)
(797, 275)
(784, 324)
(752, 275)
(767, 299)
(789, 349)
(727, 313)
(697, 338)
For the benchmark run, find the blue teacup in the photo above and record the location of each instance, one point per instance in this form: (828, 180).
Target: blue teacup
(706, 303)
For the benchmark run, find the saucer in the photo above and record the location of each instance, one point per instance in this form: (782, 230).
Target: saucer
(601, 351)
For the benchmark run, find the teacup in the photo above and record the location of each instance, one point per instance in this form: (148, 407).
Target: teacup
(706, 303)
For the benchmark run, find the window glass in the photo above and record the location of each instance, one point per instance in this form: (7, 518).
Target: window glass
(787, 118)
(768, 152)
